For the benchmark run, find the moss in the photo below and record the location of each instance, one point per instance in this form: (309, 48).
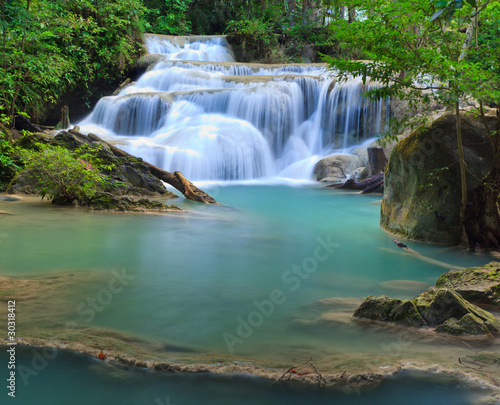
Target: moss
(419, 197)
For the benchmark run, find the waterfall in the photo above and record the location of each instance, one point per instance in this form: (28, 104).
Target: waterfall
(200, 112)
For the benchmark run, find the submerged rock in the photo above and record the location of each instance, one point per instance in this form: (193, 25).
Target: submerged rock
(480, 285)
(468, 325)
(422, 179)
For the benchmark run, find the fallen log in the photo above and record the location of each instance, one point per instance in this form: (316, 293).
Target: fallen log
(176, 179)
(372, 184)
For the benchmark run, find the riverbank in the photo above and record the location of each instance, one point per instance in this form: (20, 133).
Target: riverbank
(212, 364)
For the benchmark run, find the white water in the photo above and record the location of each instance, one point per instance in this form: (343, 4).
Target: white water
(221, 120)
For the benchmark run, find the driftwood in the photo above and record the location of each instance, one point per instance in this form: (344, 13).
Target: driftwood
(293, 371)
(176, 179)
(372, 184)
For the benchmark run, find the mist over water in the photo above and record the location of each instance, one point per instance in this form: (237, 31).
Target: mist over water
(199, 112)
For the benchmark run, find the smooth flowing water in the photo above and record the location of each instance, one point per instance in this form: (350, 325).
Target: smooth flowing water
(199, 112)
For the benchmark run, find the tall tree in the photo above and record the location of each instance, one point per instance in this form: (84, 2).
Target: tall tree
(416, 57)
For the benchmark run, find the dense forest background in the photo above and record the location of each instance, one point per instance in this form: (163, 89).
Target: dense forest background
(81, 49)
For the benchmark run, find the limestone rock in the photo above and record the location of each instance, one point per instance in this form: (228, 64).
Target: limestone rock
(402, 312)
(444, 309)
(422, 179)
(480, 285)
(336, 167)
(112, 203)
(444, 304)
(468, 325)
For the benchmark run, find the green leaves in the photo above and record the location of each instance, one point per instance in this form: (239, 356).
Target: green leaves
(64, 176)
(447, 8)
(56, 47)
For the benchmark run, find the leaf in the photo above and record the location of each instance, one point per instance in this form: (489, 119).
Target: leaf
(437, 14)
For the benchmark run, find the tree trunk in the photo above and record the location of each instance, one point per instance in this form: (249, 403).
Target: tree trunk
(291, 10)
(352, 14)
(463, 178)
(342, 12)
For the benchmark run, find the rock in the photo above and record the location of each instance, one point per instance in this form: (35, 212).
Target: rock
(443, 308)
(402, 312)
(376, 161)
(422, 183)
(362, 153)
(23, 123)
(358, 174)
(480, 285)
(436, 307)
(132, 174)
(468, 325)
(112, 203)
(23, 183)
(336, 167)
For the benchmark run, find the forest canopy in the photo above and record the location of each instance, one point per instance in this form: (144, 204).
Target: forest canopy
(49, 49)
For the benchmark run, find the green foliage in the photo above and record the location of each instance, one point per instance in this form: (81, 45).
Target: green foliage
(168, 16)
(305, 29)
(50, 48)
(8, 167)
(414, 58)
(253, 35)
(64, 175)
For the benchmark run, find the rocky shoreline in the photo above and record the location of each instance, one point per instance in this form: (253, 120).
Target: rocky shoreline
(210, 363)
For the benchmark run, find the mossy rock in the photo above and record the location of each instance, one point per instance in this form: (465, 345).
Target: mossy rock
(437, 307)
(443, 308)
(468, 325)
(129, 175)
(401, 312)
(422, 179)
(113, 203)
(480, 285)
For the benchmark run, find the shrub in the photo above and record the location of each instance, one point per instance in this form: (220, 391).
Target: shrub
(63, 175)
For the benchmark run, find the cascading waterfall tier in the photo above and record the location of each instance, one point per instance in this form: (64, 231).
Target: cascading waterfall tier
(198, 111)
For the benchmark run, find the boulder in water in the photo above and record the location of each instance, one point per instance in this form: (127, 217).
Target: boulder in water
(443, 309)
(336, 168)
(480, 285)
(422, 179)
(402, 312)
